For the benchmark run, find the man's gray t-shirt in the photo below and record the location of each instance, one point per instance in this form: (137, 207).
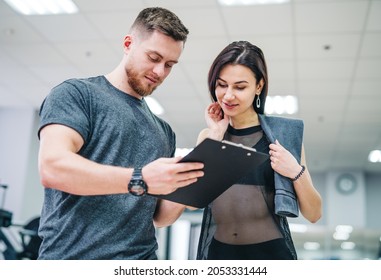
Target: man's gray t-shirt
(118, 130)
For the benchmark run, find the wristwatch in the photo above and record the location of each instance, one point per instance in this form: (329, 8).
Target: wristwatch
(137, 186)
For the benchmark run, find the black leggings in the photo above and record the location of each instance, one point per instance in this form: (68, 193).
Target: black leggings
(270, 250)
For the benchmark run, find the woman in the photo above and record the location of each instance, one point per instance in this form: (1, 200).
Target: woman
(249, 220)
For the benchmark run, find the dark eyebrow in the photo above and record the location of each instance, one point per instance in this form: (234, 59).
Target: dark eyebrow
(239, 82)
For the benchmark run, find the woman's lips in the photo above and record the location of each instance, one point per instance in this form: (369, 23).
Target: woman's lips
(229, 106)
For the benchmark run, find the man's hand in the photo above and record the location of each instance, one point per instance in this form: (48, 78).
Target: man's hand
(165, 175)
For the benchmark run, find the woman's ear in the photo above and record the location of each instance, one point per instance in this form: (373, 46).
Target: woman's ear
(260, 86)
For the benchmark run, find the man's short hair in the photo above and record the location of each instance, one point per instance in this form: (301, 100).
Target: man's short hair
(162, 20)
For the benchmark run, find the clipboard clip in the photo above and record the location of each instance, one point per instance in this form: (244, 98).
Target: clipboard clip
(238, 145)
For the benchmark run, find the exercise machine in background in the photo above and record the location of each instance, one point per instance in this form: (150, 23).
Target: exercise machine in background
(17, 242)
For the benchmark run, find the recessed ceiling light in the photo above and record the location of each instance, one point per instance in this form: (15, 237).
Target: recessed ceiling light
(250, 2)
(327, 47)
(43, 7)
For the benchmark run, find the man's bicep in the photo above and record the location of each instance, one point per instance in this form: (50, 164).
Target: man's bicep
(60, 138)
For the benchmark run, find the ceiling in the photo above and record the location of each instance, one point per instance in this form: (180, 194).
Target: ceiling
(326, 52)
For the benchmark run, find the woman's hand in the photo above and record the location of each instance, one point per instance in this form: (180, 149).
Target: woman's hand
(216, 121)
(282, 161)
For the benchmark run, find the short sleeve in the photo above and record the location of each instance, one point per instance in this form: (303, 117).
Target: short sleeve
(67, 104)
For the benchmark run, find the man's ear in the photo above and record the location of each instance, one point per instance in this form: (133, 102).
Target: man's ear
(127, 41)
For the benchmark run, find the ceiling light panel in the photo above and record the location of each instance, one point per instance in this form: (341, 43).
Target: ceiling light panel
(43, 7)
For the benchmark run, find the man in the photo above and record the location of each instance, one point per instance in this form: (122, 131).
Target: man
(102, 150)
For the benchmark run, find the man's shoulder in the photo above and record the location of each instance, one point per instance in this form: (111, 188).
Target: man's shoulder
(81, 81)
(76, 86)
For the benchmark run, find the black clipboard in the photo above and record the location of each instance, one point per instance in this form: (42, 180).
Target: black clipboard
(224, 164)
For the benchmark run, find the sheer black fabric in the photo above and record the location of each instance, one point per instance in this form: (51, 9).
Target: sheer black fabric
(240, 223)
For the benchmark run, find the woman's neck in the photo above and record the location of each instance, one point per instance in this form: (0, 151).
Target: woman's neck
(239, 122)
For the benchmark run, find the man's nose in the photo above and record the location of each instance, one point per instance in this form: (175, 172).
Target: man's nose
(159, 70)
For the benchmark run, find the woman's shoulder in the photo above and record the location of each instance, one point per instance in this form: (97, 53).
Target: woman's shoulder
(280, 119)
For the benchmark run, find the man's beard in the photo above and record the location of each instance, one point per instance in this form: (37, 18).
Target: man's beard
(136, 84)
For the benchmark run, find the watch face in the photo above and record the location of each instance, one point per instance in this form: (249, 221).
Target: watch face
(137, 188)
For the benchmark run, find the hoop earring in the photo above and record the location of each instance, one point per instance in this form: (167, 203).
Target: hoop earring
(258, 103)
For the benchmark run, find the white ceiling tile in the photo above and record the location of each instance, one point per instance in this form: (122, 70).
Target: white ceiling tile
(15, 30)
(112, 26)
(203, 49)
(174, 4)
(64, 28)
(371, 45)
(324, 88)
(5, 59)
(282, 86)
(322, 1)
(86, 6)
(330, 16)
(369, 69)
(89, 53)
(262, 19)
(327, 46)
(366, 88)
(363, 118)
(35, 54)
(360, 104)
(325, 69)
(17, 74)
(202, 23)
(274, 47)
(326, 109)
(281, 69)
(54, 74)
(329, 123)
(374, 19)
(5, 9)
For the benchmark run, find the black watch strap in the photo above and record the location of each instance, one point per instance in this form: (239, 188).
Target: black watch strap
(137, 174)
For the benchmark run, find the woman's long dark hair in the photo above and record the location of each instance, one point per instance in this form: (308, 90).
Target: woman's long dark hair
(246, 54)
